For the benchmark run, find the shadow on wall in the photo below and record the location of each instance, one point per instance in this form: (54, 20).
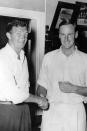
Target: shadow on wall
(31, 62)
(3, 23)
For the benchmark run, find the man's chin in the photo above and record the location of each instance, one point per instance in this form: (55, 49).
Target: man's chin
(68, 46)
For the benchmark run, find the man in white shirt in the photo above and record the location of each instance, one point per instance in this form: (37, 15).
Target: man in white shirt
(63, 81)
(14, 81)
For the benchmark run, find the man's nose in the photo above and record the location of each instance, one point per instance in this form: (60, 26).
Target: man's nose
(66, 37)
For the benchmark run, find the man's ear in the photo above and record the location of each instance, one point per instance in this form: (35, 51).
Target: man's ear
(76, 34)
(8, 35)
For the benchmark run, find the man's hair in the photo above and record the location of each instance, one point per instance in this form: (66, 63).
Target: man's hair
(67, 22)
(16, 23)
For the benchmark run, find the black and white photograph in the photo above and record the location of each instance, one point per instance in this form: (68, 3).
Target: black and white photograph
(43, 65)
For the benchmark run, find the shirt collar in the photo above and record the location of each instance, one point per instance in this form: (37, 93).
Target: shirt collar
(74, 52)
(13, 54)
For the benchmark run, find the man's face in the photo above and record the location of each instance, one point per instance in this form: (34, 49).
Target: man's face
(67, 36)
(18, 36)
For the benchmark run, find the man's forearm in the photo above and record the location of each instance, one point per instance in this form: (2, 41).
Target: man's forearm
(81, 90)
(41, 101)
(41, 91)
(32, 99)
(68, 87)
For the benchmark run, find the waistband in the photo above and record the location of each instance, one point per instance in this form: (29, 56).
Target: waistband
(6, 102)
(11, 103)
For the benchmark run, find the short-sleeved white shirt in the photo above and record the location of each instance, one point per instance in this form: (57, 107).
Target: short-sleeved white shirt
(58, 67)
(14, 76)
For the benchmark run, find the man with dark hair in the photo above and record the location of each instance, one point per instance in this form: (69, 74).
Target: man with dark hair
(63, 80)
(14, 81)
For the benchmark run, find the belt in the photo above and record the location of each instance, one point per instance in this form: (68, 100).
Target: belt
(6, 102)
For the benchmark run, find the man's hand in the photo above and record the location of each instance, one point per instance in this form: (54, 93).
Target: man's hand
(67, 87)
(85, 100)
(43, 103)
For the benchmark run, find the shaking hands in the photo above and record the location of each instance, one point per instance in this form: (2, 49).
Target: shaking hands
(43, 103)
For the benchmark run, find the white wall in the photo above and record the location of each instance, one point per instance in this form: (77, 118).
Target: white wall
(36, 5)
(51, 7)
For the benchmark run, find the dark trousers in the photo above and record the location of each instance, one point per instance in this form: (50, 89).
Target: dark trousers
(15, 117)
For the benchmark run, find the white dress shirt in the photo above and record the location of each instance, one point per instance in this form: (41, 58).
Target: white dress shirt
(66, 112)
(14, 76)
(58, 67)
